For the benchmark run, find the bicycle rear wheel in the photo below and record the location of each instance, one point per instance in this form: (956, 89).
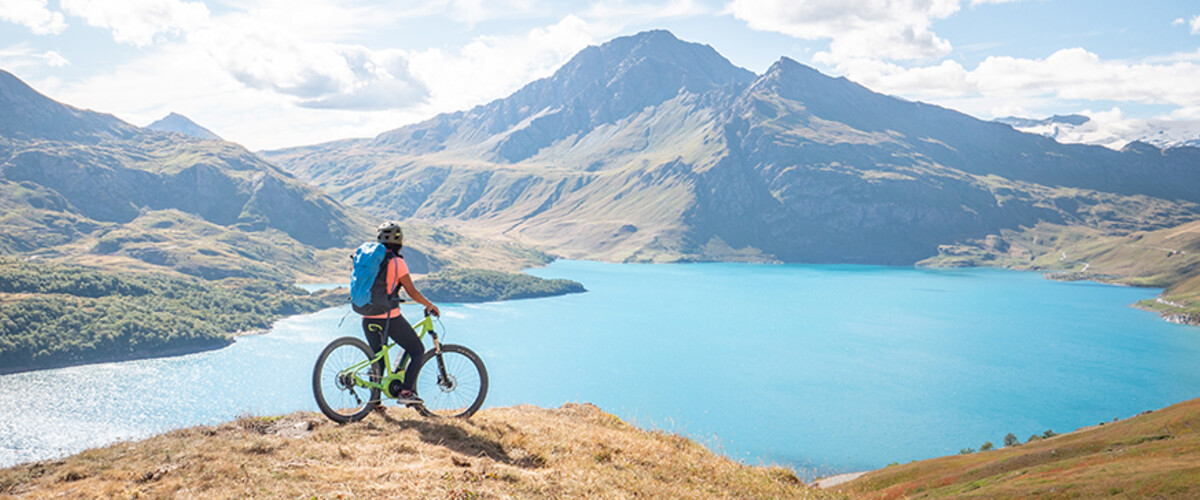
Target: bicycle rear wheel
(333, 385)
(452, 386)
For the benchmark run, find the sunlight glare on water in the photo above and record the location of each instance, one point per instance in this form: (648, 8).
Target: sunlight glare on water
(827, 368)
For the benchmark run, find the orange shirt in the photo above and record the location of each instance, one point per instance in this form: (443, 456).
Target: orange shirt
(396, 269)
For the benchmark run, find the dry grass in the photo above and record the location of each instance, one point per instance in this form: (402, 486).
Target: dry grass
(1155, 455)
(576, 451)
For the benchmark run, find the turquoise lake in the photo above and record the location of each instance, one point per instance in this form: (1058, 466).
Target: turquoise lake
(826, 368)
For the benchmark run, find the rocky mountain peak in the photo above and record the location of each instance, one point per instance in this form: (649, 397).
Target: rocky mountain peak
(178, 123)
(1141, 147)
(601, 85)
(696, 67)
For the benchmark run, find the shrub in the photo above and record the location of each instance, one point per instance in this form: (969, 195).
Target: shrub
(1011, 440)
(986, 446)
(480, 285)
(1049, 434)
(70, 315)
(966, 451)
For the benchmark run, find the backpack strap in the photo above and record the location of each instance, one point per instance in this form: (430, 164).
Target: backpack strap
(395, 292)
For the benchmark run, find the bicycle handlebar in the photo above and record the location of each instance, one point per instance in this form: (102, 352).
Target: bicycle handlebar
(407, 302)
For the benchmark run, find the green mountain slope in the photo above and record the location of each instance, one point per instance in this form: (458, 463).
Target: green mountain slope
(648, 148)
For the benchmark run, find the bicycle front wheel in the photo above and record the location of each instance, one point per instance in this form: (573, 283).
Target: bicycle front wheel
(453, 383)
(334, 385)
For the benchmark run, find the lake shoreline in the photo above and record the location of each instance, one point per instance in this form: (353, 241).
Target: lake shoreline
(797, 310)
(163, 353)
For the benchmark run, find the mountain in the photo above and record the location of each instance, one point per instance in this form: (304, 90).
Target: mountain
(178, 123)
(1020, 123)
(89, 188)
(598, 86)
(30, 115)
(649, 148)
(574, 451)
(100, 219)
(85, 188)
(1079, 129)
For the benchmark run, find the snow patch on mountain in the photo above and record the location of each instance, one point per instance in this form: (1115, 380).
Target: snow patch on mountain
(1110, 129)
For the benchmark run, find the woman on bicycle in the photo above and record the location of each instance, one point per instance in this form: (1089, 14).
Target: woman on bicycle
(391, 324)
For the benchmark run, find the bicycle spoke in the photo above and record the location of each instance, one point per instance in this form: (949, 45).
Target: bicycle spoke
(338, 388)
(456, 391)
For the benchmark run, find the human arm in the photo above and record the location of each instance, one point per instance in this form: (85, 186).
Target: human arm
(407, 282)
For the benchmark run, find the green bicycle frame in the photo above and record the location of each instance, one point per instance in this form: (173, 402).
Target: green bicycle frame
(425, 326)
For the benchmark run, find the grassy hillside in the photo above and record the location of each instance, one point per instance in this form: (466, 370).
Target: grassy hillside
(1153, 455)
(576, 451)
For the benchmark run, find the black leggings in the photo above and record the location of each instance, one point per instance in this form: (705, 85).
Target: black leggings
(399, 330)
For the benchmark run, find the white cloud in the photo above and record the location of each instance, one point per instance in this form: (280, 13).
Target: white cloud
(184, 78)
(1000, 85)
(22, 56)
(626, 12)
(492, 66)
(1194, 24)
(319, 74)
(472, 12)
(34, 15)
(276, 74)
(54, 59)
(874, 29)
(137, 22)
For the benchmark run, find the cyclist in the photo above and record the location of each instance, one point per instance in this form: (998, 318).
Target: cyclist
(379, 327)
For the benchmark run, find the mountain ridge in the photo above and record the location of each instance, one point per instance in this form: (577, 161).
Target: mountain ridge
(177, 123)
(126, 169)
(790, 165)
(88, 188)
(32, 115)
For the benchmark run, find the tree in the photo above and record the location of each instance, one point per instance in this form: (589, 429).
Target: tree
(986, 446)
(1049, 434)
(1011, 440)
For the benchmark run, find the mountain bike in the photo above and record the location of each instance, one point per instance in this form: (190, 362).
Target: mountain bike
(349, 379)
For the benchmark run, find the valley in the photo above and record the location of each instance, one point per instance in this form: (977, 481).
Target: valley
(210, 236)
(652, 149)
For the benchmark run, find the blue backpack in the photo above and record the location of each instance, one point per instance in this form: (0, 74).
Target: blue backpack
(369, 295)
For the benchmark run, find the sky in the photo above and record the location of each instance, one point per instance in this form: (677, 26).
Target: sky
(278, 73)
